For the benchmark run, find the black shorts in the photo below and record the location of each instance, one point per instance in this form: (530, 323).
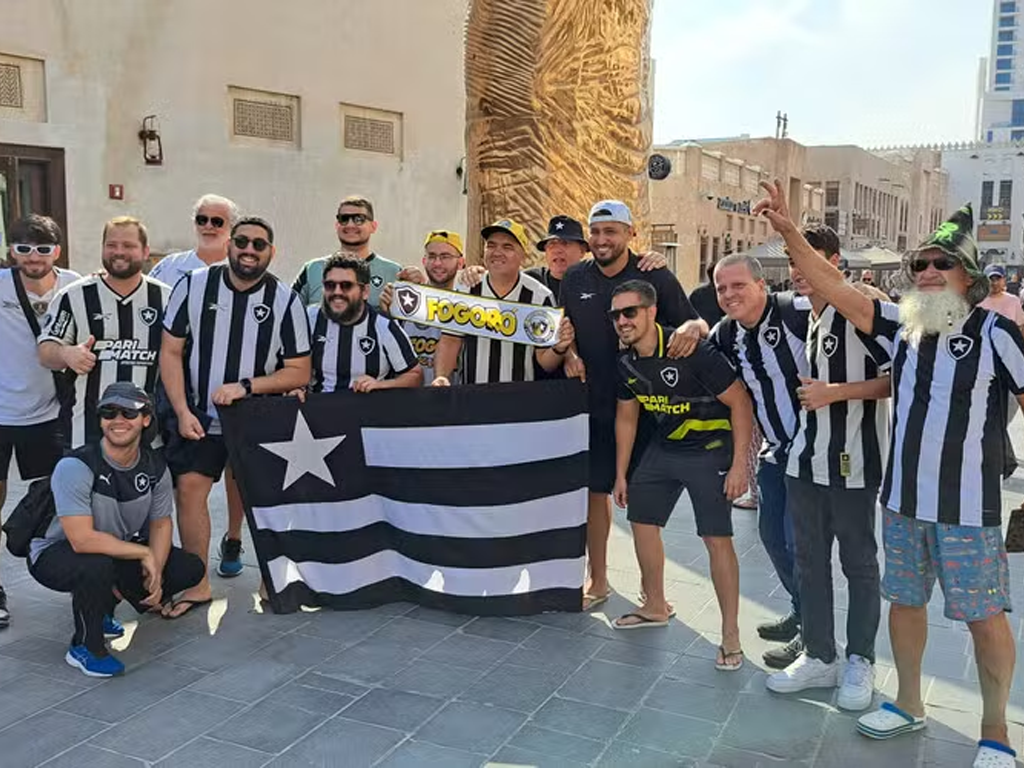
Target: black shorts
(661, 477)
(602, 455)
(38, 448)
(208, 456)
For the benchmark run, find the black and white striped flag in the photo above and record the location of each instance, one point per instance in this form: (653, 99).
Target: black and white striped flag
(469, 499)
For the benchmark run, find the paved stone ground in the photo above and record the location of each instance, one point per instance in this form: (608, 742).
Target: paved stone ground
(232, 687)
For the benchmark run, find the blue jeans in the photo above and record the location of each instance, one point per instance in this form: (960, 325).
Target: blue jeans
(776, 526)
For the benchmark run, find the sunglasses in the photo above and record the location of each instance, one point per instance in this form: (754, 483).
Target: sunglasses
(942, 263)
(355, 218)
(340, 285)
(202, 220)
(24, 249)
(111, 412)
(258, 243)
(629, 313)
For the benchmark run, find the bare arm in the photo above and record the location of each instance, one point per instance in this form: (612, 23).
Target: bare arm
(172, 372)
(446, 357)
(85, 539)
(295, 373)
(827, 281)
(742, 418)
(410, 379)
(818, 394)
(160, 531)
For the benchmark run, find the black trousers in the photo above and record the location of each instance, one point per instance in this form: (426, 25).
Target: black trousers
(91, 580)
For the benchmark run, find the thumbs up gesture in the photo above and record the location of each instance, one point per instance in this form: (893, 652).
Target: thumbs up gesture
(80, 358)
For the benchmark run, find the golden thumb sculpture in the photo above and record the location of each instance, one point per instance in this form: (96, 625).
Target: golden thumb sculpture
(558, 112)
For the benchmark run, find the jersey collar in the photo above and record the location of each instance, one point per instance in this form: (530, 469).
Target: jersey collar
(659, 350)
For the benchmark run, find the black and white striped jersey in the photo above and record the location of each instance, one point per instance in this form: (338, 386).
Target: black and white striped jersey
(842, 445)
(375, 346)
(489, 361)
(770, 358)
(233, 335)
(950, 397)
(127, 332)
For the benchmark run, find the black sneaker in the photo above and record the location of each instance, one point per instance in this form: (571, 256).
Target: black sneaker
(5, 615)
(781, 630)
(780, 658)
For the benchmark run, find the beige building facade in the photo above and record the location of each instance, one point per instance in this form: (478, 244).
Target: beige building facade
(284, 112)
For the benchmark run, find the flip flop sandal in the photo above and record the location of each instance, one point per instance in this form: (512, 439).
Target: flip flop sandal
(192, 605)
(888, 721)
(643, 622)
(594, 601)
(725, 666)
(992, 754)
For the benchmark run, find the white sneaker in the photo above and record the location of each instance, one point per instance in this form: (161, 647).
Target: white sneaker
(858, 686)
(804, 673)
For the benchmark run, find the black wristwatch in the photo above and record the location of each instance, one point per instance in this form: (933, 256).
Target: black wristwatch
(247, 386)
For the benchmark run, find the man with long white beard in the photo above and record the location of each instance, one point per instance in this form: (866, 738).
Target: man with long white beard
(954, 365)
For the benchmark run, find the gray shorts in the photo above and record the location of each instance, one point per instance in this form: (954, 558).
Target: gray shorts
(661, 477)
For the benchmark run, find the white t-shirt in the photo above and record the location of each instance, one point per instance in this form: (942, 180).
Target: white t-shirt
(27, 393)
(174, 266)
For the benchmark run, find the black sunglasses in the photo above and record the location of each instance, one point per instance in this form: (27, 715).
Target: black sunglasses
(340, 285)
(111, 412)
(202, 220)
(355, 218)
(943, 264)
(629, 313)
(258, 243)
(25, 249)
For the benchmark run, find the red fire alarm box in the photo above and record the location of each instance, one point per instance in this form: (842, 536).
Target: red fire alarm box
(116, 191)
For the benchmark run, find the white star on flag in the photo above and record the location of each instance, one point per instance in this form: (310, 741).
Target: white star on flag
(305, 454)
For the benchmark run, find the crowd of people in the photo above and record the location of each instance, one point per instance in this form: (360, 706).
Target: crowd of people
(113, 383)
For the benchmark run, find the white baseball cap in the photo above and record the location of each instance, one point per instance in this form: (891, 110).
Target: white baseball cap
(611, 210)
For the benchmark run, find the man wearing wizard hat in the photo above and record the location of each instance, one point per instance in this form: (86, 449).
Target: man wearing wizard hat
(954, 364)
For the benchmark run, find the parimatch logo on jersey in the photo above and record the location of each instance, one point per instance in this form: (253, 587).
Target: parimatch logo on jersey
(124, 351)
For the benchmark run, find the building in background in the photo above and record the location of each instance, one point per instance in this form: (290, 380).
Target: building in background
(1002, 111)
(283, 111)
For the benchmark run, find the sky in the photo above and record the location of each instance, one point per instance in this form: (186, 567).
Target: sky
(867, 72)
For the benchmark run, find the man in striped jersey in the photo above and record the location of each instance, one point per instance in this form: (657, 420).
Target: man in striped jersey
(764, 336)
(355, 225)
(30, 408)
(832, 479)
(489, 361)
(354, 346)
(954, 365)
(213, 217)
(245, 333)
(107, 327)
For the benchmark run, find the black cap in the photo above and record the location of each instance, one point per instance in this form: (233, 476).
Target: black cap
(126, 395)
(564, 228)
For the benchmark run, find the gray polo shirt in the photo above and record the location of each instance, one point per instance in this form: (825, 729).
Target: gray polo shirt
(121, 500)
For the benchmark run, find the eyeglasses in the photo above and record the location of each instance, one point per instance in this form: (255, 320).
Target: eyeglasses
(202, 220)
(942, 263)
(111, 412)
(355, 218)
(258, 243)
(330, 286)
(26, 249)
(629, 313)
(431, 258)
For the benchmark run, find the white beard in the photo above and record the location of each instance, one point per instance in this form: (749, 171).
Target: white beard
(929, 313)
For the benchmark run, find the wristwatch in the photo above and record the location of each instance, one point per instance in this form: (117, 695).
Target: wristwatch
(247, 386)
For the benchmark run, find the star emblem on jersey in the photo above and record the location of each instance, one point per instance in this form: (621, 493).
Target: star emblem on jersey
(148, 315)
(771, 336)
(260, 312)
(142, 482)
(408, 300)
(670, 376)
(829, 344)
(959, 346)
(376, 281)
(305, 454)
(366, 344)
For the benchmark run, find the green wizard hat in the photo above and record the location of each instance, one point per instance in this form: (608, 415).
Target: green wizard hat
(955, 237)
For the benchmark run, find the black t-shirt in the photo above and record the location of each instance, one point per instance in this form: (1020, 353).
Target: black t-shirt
(705, 302)
(544, 275)
(587, 296)
(680, 396)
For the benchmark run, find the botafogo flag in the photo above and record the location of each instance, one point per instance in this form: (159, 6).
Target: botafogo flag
(470, 499)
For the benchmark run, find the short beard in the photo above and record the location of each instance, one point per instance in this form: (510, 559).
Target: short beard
(247, 273)
(611, 259)
(346, 246)
(926, 313)
(133, 268)
(347, 316)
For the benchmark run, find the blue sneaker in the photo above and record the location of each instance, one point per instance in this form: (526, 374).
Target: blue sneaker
(93, 666)
(230, 558)
(112, 628)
